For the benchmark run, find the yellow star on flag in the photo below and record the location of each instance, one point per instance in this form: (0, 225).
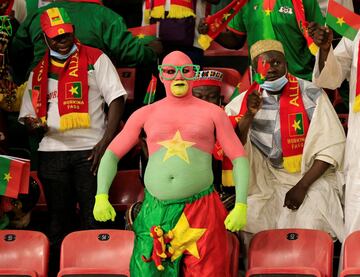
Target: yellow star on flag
(225, 16)
(73, 90)
(296, 125)
(267, 12)
(140, 36)
(340, 21)
(7, 176)
(176, 147)
(185, 238)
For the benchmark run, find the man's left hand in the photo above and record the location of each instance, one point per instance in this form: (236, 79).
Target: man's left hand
(295, 196)
(96, 155)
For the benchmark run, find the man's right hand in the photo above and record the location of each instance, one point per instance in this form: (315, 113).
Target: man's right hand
(254, 102)
(103, 211)
(321, 35)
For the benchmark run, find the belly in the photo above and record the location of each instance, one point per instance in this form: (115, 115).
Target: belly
(174, 178)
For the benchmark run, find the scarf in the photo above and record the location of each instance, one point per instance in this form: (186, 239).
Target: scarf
(356, 105)
(178, 9)
(294, 123)
(268, 6)
(9, 8)
(72, 90)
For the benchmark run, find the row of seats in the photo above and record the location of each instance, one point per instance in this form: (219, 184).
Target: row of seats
(90, 252)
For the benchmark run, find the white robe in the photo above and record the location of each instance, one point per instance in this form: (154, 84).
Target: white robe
(340, 64)
(321, 208)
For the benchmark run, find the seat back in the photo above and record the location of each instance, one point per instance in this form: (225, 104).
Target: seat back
(126, 189)
(97, 249)
(292, 248)
(351, 256)
(26, 250)
(231, 79)
(127, 78)
(234, 252)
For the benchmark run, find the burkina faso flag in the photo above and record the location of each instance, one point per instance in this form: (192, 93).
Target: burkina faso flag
(262, 69)
(296, 124)
(10, 176)
(342, 20)
(73, 90)
(145, 34)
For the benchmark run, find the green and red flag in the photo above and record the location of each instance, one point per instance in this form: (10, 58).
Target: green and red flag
(73, 90)
(11, 171)
(261, 71)
(150, 92)
(145, 34)
(342, 20)
(236, 92)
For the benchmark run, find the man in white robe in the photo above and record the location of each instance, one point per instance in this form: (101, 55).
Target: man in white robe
(310, 197)
(331, 68)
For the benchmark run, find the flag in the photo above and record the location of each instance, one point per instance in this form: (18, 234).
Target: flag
(342, 20)
(11, 176)
(151, 90)
(236, 92)
(296, 127)
(145, 34)
(261, 71)
(73, 90)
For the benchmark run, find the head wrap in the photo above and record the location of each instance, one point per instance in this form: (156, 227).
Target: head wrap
(56, 21)
(209, 78)
(262, 46)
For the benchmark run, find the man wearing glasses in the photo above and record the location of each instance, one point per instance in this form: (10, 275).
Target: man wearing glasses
(179, 195)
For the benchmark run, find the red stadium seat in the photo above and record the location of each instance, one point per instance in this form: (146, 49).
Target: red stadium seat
(291, 252)
(234, 252)
(96, 253)
(351, 256)
(231, 79)
(23, 253)
(127, 77)
(216, 49)
(126, 189)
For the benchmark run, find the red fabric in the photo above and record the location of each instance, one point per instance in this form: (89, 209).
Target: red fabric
(148, 30)
(9, 8)
(13, 185)
(337, 10)
(357, 92)
(212, 246)
(198, 83)
(88, 1)
(269, 5)
(291, 106)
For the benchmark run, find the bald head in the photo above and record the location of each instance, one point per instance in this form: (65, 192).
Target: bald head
(177, 58)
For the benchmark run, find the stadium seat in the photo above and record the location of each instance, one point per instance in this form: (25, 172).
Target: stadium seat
(23, 253)
(290, 252)
(216, 49)
(96, 253)
(127, 77)
(351, 255)
(231, 79)
(126, 189)
(234, 252)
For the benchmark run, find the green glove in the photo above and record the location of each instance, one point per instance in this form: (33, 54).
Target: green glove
(103, 211)
(236, 219)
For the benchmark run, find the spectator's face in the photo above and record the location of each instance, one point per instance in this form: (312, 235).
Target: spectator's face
(277, 62)
(210, 94)
(61, 43)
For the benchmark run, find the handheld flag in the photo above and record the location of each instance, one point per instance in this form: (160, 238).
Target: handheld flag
(342, 20)
(262, 69)
(218, 22)
(145, 34)
(150, 92)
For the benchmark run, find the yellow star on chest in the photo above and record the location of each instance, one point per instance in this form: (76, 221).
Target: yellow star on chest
(176, 147)
(185, 238)
(7, 176)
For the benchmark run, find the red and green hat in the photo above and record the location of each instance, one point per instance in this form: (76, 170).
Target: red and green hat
(56, 21)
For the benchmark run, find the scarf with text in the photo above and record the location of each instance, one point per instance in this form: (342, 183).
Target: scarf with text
(268, 6)
(72, 90)
(178, 9)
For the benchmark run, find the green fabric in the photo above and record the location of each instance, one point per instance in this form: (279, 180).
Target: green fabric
(107, 172)
(251, 18)
(95, 25)
(163, 213)
(342, 29)
(241, 173)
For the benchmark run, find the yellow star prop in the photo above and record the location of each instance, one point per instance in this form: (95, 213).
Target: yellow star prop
(73, 90)
(140, 36)
(340, 21)
(296, 125)
(7, 176)
(225, 16)
(176, 147)
(267, 12)
(185, 238)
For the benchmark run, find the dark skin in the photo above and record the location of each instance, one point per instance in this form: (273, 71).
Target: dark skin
(63, 44)
(322, 37)
(296, 195)
(211, 94)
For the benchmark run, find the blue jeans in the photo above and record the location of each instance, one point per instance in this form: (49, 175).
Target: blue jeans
(67, 180)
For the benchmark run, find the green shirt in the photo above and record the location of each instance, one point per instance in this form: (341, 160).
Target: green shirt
(251, 20)
(95, 25)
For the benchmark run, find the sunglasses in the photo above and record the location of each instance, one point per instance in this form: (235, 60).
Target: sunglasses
(187, 71)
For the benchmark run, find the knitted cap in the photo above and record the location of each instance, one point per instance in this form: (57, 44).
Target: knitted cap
(208, 78)
(56, 21)
(262, 46)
